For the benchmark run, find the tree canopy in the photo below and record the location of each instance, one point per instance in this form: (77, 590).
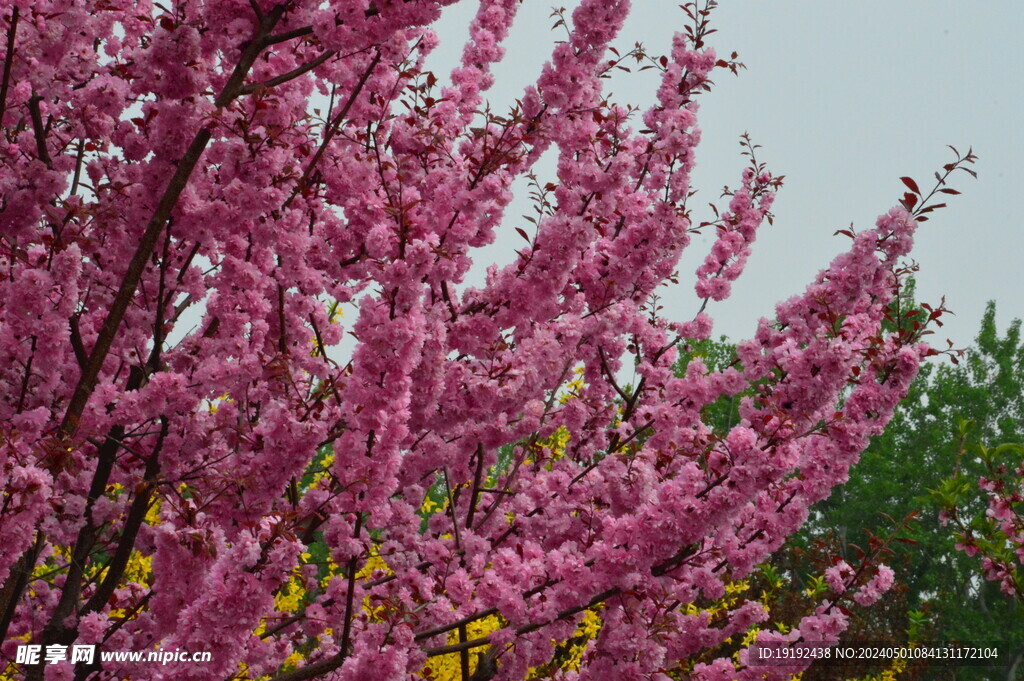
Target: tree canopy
(508, 479)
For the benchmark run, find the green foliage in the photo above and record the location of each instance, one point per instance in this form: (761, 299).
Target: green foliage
(983, 533)
(723, 413)
(921, 463)
(928, 458)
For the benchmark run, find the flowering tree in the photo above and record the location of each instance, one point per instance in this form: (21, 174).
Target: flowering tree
(477, 479)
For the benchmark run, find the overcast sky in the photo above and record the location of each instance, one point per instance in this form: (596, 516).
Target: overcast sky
(844, 98)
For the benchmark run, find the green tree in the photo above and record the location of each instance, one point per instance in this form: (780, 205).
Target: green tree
(941, 594)
(919, 450)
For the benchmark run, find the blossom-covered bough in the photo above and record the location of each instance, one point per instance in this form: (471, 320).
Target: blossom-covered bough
(188, 192)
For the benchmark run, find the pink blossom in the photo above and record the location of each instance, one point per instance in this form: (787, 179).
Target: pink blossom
(254, 400)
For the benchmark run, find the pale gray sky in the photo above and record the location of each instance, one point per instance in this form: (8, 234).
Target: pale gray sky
(844, 98)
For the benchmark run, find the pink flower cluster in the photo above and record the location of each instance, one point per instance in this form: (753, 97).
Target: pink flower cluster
(192, 459)
(737, 230)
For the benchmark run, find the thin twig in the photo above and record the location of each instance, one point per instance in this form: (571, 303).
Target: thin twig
(332, 130)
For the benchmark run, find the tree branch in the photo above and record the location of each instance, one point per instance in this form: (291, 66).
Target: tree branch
(312, 671)
(133, 522)
(39, 129)
(126, 291)
(16, 582)
(290, 75)
(332, 130)
(8, 62)
(525, 629)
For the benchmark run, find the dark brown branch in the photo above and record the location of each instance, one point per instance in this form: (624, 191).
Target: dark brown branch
(290, 75)
(475, 495)
(8, 62)
(499, 498)
(39, 129)
(163, 299)
(104, 340)
(464, 654)
(84, 671)
(133, 522)
(16, 582)
(346, 634)
(127, 617)
(282, 336)
(126, 291)
(288, 35)
(28, 376)
(321, 348)
(312, 671)
(188, 262)
(611, 377)
(56, 630)
(445, 628)
(302, 32)
(525, 629)
(290, 620)
(659, 570)
(448, 300)
(76, 178)
(451, 510)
